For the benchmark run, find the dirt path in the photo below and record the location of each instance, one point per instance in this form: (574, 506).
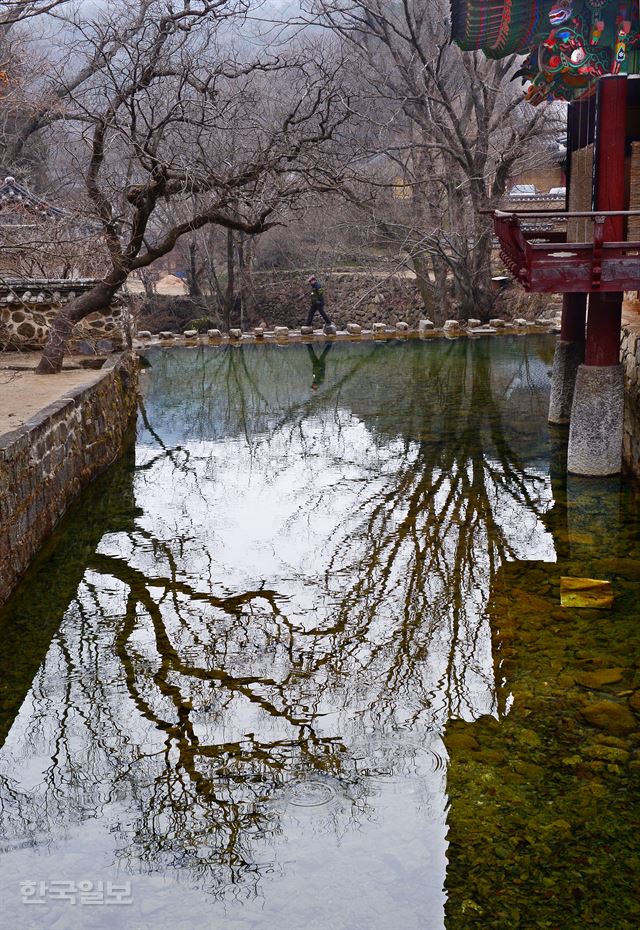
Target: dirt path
(23, 393)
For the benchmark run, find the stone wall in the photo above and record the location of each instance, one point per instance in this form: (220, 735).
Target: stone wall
(27, 309)
(49, 460)
(630, 357)
(282, 298)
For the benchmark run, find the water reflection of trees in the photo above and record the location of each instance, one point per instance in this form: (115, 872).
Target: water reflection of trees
(446, 521)
(196, 709)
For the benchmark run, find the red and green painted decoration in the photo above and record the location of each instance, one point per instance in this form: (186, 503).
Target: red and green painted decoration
(568, 43)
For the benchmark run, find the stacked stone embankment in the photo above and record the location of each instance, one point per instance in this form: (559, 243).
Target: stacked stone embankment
(630, 358)
(47, 461)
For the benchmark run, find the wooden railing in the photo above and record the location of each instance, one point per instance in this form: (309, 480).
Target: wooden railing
(544, 262)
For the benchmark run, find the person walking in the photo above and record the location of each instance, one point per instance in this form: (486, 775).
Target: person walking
(317, 302)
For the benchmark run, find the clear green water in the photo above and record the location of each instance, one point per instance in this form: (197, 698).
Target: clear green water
(298, 661)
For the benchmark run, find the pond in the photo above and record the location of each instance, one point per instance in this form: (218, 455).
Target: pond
(298, 661)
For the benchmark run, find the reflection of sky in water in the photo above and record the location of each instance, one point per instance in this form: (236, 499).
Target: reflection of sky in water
(241, 712)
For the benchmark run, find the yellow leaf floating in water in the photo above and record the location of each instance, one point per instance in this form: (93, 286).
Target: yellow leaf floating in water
(586, 592)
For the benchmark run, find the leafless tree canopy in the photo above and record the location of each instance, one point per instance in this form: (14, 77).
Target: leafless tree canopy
(165, 107)
(450, 130)
(153, 121)
(16, 11)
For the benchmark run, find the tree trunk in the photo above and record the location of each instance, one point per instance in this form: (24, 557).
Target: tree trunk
(424, 285)
(147, 283)
(193, 273)
(96, 299)
(230, 288)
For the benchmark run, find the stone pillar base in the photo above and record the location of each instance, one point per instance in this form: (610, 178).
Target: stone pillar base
(597, 420)
(568, 356)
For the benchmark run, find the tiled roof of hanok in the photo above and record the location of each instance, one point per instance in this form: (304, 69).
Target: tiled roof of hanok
(42, 290)
(13, 195)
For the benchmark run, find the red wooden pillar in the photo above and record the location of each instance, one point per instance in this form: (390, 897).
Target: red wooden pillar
(603, 329)
(574, 314)
(569, 354)
(603, 324)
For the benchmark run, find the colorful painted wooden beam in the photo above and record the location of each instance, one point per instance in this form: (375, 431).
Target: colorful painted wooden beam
(569, 44)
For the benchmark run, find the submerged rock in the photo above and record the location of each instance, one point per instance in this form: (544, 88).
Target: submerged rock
(530, 770)
(607, 754)
(630, 568)
(528, 737)
(459, 741)
(594, 593)
(615, 741)
(599, 678)
(490, 757)
(609, 716)
(634, 701)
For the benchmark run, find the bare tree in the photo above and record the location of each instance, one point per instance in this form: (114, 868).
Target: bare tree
(451, 131)
(179, 115)
(16, 11)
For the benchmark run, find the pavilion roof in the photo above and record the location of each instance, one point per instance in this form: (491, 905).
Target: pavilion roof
(14, 195)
